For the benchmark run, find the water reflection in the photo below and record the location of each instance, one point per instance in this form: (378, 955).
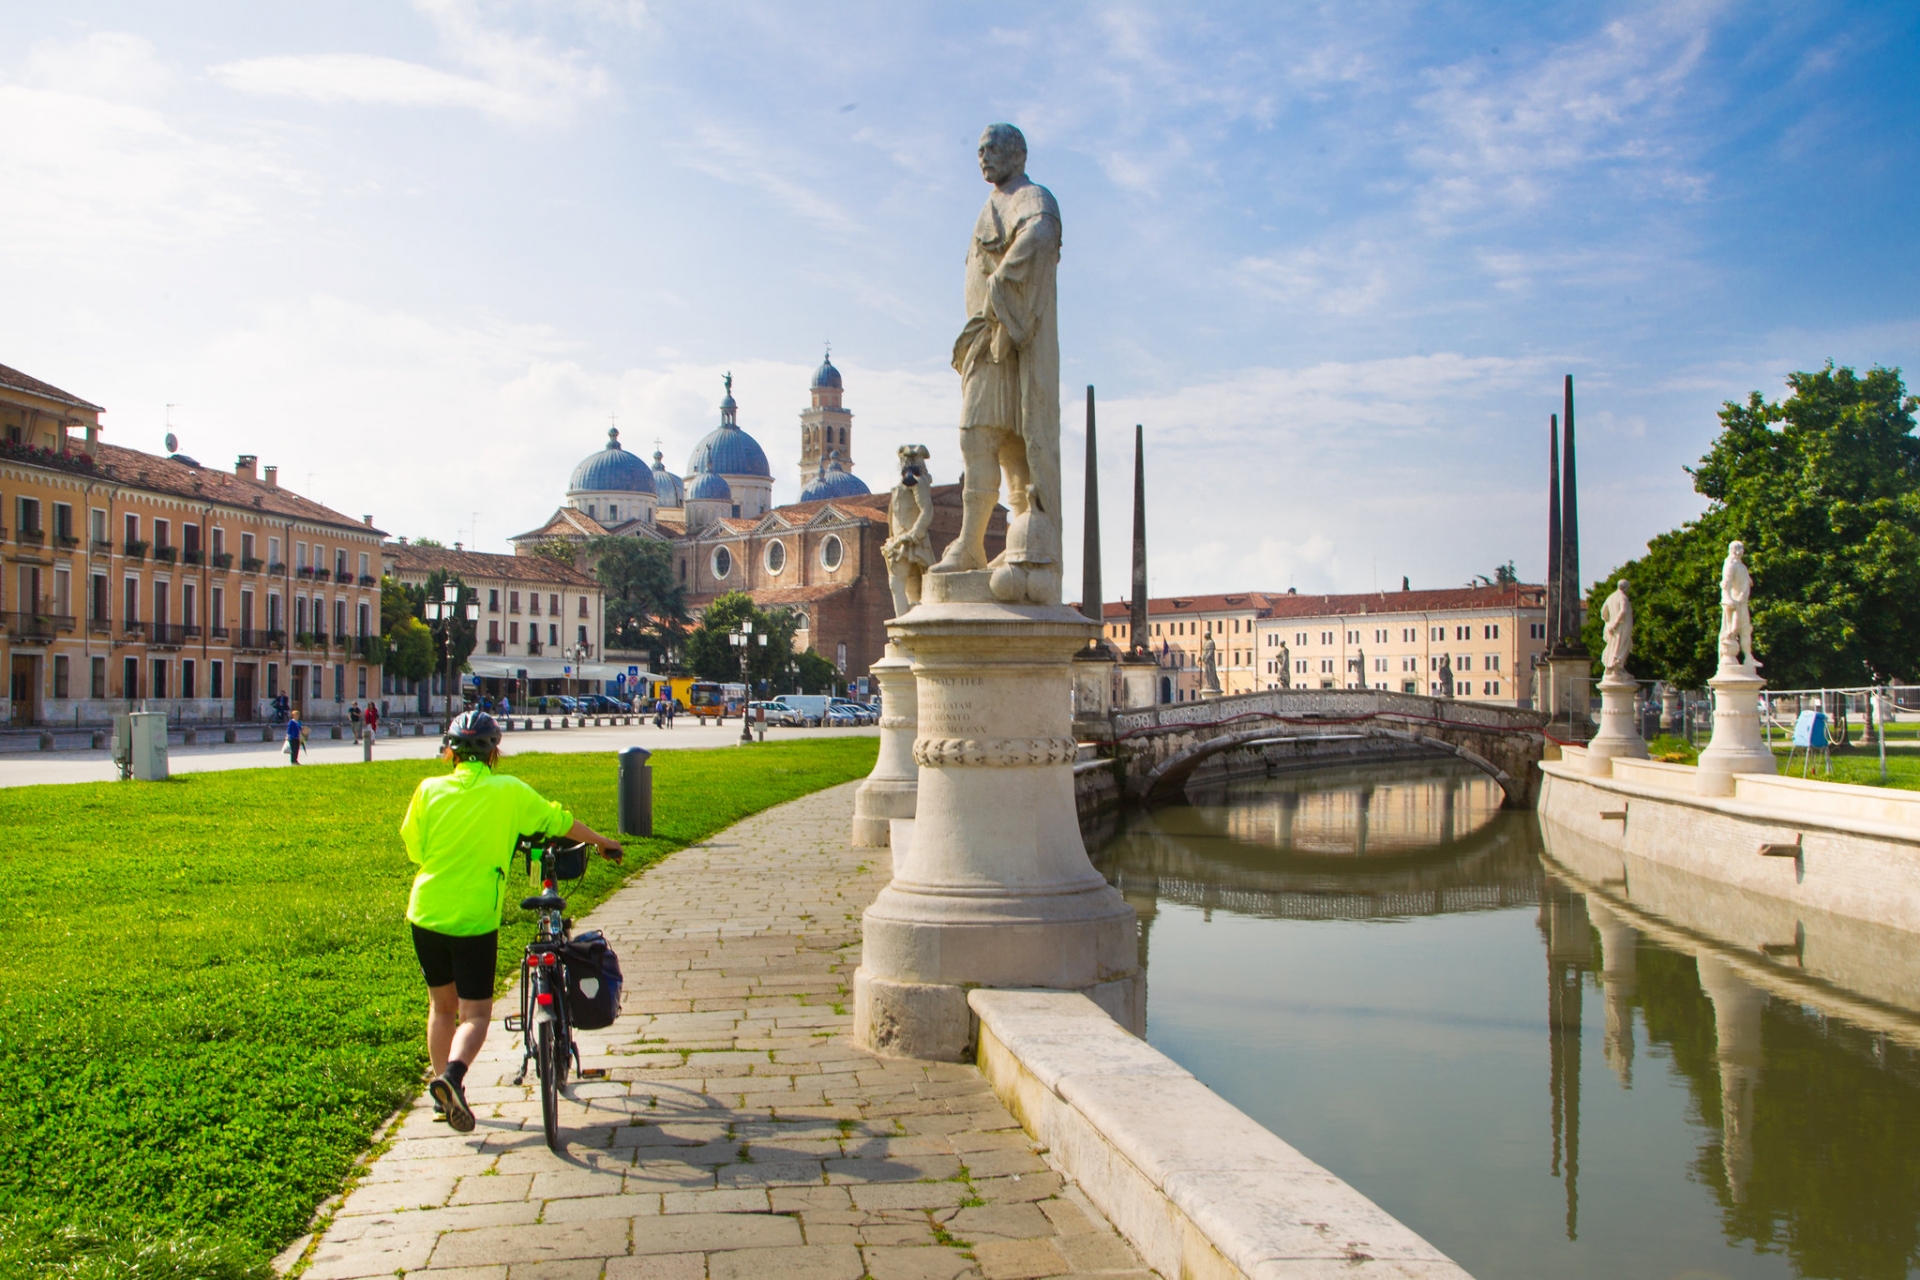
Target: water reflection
(1754, 1091)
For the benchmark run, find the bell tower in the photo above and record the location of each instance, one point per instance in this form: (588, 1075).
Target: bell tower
(825, 427)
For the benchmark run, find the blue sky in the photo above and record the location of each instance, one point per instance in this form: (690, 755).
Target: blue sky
(1335, 258)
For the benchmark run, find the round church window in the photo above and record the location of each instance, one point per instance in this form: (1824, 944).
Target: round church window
(832, 553)
(776, 556)
(722, 562)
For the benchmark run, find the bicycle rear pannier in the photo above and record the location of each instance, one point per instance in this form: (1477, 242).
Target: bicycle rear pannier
(593, 981)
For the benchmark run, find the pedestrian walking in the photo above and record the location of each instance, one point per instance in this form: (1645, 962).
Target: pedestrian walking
(296, 738)
(373, 721)
(353, 717)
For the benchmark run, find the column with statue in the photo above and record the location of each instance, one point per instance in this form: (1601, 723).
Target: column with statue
(1619, 736)
(1737, 746)
(888, 793)
(995, 889)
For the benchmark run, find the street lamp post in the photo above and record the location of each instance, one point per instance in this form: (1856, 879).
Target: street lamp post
(743, 638)
(447, 609)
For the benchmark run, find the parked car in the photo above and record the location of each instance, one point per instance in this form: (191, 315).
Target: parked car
(839, 717)
(777, 712)
(811, 706)
(860, 711)
(561, 702)
(599, 704)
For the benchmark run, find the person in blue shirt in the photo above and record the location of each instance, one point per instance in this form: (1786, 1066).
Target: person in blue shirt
(294, 734)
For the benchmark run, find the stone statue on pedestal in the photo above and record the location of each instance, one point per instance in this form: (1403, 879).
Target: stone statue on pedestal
(1736, 612)
(1008, 358)
(908, 549)
(1446, 676)
(1209, 666)
(1617, 614)
(1286, 667)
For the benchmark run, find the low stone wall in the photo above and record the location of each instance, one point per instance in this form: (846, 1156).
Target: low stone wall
(1199, 1188)
(1845, 850)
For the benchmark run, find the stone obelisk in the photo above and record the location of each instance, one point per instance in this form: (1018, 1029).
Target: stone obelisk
(1093, 666)
(1139, 673)
(1569, 667)
(995, 889)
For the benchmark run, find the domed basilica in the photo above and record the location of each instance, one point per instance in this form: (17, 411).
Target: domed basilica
(820, 556)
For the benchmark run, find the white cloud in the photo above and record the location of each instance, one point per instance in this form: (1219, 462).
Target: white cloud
(515, 78)
(101, 64)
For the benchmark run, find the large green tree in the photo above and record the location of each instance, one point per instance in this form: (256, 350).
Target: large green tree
(1824, 490)
(645, 608)
(773, 667)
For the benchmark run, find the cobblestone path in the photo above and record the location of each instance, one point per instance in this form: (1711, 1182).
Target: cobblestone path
(740, 1134)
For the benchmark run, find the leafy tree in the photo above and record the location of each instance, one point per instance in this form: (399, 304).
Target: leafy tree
(562, 551)
(816, 674)
(644, 608)
(1503, 576)
(714, 657)
(466, 633)
(398, 602)
(410, 651)
(435, 543)
(1824, 490)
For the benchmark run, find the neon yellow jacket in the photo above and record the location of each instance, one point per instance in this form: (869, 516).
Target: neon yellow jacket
(461, 828)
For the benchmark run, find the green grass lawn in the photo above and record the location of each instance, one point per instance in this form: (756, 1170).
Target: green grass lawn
(1856, 764)
(210, 1001)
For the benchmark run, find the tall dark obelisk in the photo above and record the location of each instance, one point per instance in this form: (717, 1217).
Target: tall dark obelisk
(1553, 530)
(1570, 592)
(1092, 600)
(1137, 641)
(1563, 685)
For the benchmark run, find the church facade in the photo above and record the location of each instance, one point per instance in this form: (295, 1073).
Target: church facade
(820, 556)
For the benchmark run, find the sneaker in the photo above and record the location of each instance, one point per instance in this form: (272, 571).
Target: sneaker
(453, 1100)
(439, 1114)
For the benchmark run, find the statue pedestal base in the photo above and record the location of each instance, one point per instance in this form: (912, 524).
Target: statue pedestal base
(1139, 681)
(1208, 695)
(1737, 746)
(889, 791)
(1093, 692)
(995, 889)
(1619, 736)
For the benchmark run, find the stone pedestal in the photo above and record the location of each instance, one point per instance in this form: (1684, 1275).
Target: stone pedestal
(995, 889)
(1669, 708)
(1568, 675)
(1619, 734)
(1737, 745)
(1139, 681)
(1209, 695)
(888, 792)
(1093, 669)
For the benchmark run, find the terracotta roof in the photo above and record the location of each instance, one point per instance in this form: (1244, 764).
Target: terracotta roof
(133, 469)
(33, 386)
(565, 521)
(774, 597)
(410, 557)
(1267, 604)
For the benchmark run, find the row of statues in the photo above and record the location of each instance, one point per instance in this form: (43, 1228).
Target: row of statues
(1736, 618)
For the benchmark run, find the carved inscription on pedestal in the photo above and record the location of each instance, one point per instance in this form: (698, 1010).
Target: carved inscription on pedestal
(957, 708)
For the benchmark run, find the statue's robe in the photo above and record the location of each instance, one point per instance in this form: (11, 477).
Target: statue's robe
(1008, 354)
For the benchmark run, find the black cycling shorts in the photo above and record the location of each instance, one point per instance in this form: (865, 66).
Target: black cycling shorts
(467, 963)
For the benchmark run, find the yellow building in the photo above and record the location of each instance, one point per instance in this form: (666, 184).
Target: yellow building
(133, 579)
(1487, 639)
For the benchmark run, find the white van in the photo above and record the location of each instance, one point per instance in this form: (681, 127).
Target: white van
(811, 707)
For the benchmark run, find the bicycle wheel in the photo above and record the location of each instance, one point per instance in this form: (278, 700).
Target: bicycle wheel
(549, 1049)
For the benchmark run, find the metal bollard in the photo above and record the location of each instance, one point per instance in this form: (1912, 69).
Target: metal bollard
(266, 733)
(366, 747)
(547, 723)
(46, 742)
(100, 739)
(228, 736)
(636, 792)
(190, 737)
(335, 735)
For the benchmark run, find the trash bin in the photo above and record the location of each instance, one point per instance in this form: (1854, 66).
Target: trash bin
(636, 792)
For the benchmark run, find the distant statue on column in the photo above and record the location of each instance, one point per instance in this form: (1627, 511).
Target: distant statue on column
(1446, 676)
(1286, 666)
(1617, 614)
(1209, 665)
(1008, 358)
(1736, 610)
(908, 548)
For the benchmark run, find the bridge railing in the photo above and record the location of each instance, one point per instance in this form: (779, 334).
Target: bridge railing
(1324, 704)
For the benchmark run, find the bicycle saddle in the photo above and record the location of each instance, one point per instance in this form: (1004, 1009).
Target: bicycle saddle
(545, 902)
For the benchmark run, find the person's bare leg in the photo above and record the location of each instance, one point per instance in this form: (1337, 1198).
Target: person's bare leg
(443, 1019)
(472, 1032)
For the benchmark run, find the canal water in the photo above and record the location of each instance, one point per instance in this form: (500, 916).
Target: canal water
(1545, 1063)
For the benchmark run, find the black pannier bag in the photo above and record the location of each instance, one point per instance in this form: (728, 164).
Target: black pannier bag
(593, 981)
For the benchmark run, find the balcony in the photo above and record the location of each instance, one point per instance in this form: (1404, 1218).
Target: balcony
(166, 635)
(323, 575)
(533, 644)
(496, 646)
(166, 555)
(100, 626)
(310, 640)
(65, 541)
(251, 564)
(368, 648)
(223, 560)
(221, 634)
(367, 580)
(278, 569)
(193, 556)
(135, 548)
(303, 572)
(251, 641)
(30, 537)
(133, 629)
(102, 546)
(35, 627)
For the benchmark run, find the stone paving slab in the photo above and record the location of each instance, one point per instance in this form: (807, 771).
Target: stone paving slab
(740, 1134)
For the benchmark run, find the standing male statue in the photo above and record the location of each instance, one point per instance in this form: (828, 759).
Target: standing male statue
(1209, 665)
(1736, 615)
(908, 549)
(1286, 666)
(1617, 614)
(1446, 676)
(1008, 357)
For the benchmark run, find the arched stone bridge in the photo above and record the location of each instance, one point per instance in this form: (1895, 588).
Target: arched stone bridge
(1160, 747)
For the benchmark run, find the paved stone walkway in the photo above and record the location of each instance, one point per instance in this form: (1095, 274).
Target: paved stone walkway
(740, 1134)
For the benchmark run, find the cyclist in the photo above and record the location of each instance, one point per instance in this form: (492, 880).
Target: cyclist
(461, 828)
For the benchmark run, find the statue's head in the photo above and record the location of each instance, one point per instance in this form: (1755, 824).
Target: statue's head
(1738, 550)
(911, 457)
(1003, 153)
(1621, 586)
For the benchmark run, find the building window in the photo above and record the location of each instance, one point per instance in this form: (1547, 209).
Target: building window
(1300, 667)
(533, 603)
(1463, 633)
(273, 679)
(1464, 662)
(1300, 639)
(130, 607)
(364, 567)
(363, 683)
(132, 528)
(840, 656)
(513, 633)
(584, 611)
(722, 564)
(216, 679)
(60, 675)
(130, 679)
(776, 556)
(187, 682)
(1379, 664)
(97, 678)
(1492, 632)
(1408, 635)
(97, 608)
(493, 630)
(832, 553)
(1353, 637)
(340, 564)
(513, 602)
(98, 524)
(1492, 662)
(1536, 631)
(1379, 635)
(583, 637)
(553, 604)
(493, 600)
(1326, 666)
(553, 633)
(158, 687)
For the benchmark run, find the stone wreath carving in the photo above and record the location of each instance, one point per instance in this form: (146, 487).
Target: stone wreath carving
(1003, 753)
(897, 722)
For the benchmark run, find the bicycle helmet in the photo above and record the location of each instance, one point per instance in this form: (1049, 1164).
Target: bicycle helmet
(473, 735)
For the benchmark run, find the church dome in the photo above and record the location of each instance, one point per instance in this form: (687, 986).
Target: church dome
(709, 486)
(727, 450)
(833, 481)
(826, 377)
(668, 489)
(612, 470)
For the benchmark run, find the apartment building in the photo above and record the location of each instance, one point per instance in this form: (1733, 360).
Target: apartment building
(1487, 638)
(540, 621)
(134, 579)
